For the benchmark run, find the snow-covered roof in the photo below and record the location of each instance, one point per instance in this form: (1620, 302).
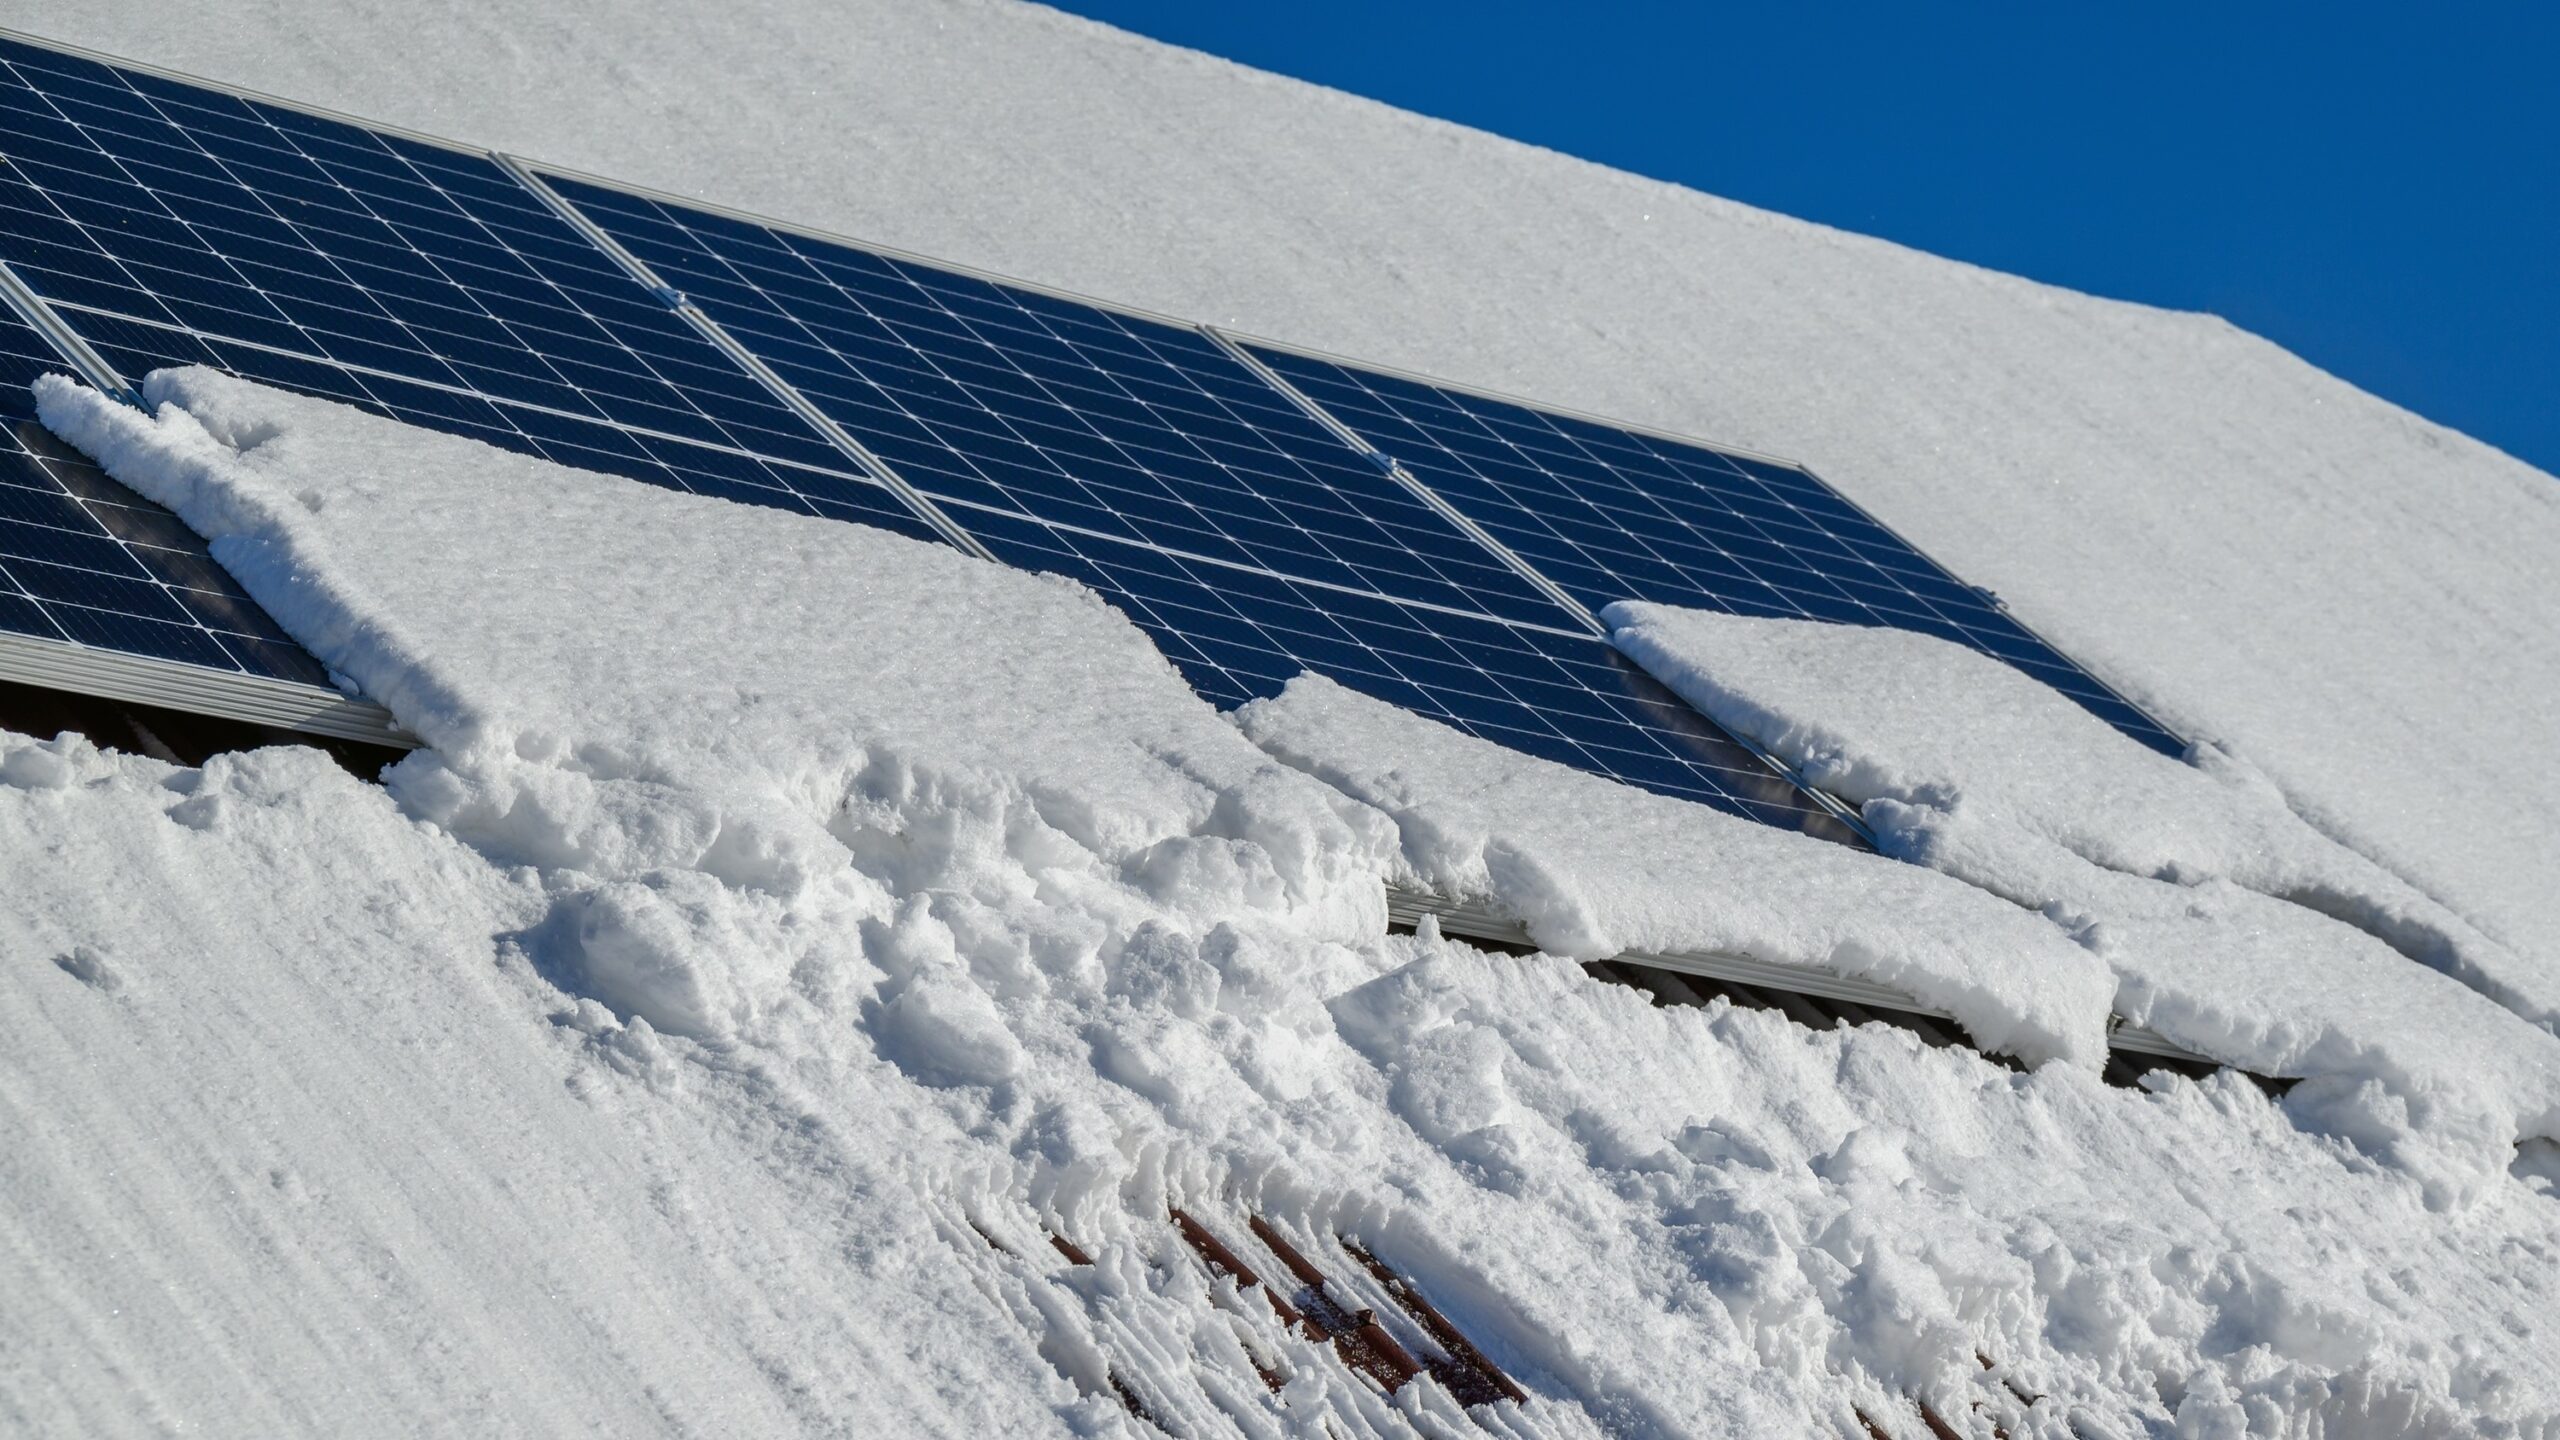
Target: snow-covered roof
(788, 922)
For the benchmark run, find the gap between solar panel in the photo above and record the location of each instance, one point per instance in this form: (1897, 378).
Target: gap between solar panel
(1394, 469)
(1811, 998)
(85, 361)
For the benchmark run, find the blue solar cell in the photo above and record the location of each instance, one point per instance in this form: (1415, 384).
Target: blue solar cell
(1614, 514)
(174, 224)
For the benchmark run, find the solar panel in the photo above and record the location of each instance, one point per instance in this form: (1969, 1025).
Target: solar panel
(175, 224)
(1140, 457)
(87, 561)
(171, 223)
(1611, 513)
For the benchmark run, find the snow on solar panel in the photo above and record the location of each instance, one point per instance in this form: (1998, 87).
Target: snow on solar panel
(84, 560)
(1140, 457)
(1612, 513)
(174, 224)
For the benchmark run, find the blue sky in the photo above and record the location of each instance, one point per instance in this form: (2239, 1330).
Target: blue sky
(2376, 189)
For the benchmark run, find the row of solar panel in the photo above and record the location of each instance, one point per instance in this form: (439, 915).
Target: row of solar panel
(169, 223)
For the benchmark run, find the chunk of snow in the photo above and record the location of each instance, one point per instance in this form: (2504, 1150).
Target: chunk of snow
(1593, 869)
(2236, 928)
(781, 688)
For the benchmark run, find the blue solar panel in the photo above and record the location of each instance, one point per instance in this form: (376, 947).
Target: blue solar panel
(1616, 514)
(1141, 458)
(85, 560)
(174, 224)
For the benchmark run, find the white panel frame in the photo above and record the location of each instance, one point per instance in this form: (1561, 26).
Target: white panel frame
(175, 685)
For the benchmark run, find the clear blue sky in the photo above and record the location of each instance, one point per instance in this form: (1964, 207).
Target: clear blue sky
(2375, 188)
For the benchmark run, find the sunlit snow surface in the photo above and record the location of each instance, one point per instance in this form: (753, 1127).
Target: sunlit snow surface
(781, 903)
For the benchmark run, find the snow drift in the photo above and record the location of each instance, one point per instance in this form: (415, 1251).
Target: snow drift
(1594, 869)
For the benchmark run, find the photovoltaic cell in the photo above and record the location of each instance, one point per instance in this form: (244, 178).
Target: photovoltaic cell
(86, 560)
(1141, 458)
(174, 224)
(1615, 514)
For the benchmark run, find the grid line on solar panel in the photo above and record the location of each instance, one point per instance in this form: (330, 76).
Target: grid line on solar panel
(976, 516)
(213, 220)
(553, 434)
(1004, 398)
(1614, 513)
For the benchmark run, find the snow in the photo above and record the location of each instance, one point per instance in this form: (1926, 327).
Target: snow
(2235, 927)
(349, 1109)
(299, 1143)
(788, 924)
